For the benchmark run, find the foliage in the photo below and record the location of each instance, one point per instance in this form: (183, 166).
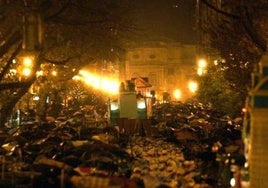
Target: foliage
(215, 89)
(237, 32)
(241, 23)
(79, 95)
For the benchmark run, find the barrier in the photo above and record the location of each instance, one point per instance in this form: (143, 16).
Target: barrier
(142, 127)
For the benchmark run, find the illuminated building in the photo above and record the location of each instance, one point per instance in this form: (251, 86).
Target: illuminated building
(167, 65)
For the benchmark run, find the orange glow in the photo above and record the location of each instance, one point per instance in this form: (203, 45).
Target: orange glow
(192, 86)
(54, 73)
(199, 71)
(104, 84)
(26, 72)
(39, 73)
(27, 64)
(202, 63)
(27, 61)
(177, 94)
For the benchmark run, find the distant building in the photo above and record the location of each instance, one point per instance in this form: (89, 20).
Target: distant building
(166, 65)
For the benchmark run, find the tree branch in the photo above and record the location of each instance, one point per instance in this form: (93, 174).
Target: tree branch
(13, 85)
(56, 14)
(257, 39)
(216, 9)
(15, 37)
(9, 62)
(62, 62)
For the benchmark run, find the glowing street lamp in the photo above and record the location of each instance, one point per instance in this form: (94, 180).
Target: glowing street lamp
(192, 86)
(202, 64)
(177, 94)
(114, 112)
(54, 73)
(26, 71)
(27, 61)
(27, 65)
(99, 82)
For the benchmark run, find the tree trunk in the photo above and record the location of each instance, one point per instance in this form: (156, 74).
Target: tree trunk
(41, 108)
(8, 106)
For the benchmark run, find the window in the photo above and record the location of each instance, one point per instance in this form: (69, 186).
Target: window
(136, 56)
(152, 56)
(170, 71)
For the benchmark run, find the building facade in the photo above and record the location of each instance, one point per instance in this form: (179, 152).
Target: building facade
(167, 65)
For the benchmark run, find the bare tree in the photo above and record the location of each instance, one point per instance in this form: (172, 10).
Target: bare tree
(236, 32)
(75, 33)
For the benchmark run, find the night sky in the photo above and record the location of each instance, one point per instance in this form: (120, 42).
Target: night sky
(172, 19)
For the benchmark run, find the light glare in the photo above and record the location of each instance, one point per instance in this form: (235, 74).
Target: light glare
(101, 83)
(232, 182)
(202, 63)
(192, 86)
(141, 104)
(26, 71)
(27, 61)
(114, 106)
(54, 73)
(177, 94)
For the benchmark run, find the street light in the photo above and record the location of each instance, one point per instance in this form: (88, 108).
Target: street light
(26, 72)
(27, 65)
(202, 64)
(114, 112)
(192, 85)
(54, 73)
(177, 94)
(99, 82)
(141, 108)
